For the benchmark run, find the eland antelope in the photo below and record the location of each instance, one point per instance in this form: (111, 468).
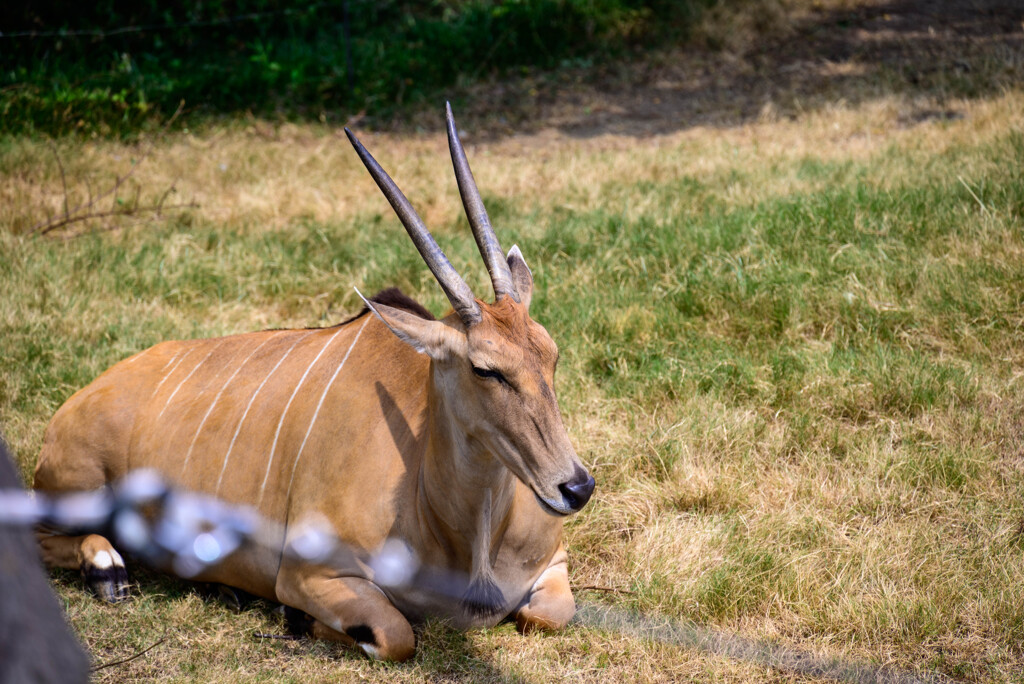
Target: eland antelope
(442, 434)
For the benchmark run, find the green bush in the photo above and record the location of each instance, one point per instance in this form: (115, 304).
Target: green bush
(114, 65)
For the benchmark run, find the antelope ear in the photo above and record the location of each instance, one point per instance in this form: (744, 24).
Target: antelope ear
(433, 338)
(522, 278)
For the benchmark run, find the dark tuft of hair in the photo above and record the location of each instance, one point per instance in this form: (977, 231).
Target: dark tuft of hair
(394, 297)
(482, 598)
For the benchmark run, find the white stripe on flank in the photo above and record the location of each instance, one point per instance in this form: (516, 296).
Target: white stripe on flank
(168, 402)
(321, 403)
(169, 362)
(171, 372)
(277, 433)
(249, 406)
(188, 455)
(136, 357)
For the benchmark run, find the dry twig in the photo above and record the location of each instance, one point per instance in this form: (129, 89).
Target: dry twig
(130, 658)
(87, 211)
(611, 590)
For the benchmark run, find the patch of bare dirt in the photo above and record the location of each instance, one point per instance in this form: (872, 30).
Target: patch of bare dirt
(932, 52)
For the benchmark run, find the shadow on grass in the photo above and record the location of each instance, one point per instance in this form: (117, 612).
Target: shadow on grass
(942, 49)
(449, 654)
(734, 647)
(442, 652)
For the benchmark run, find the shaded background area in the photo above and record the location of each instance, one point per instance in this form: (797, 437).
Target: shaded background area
(585, 66)
(113, 65)
(770, 61)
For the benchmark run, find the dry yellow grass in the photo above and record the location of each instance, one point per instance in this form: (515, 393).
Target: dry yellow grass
(265, 177)
(821, 534)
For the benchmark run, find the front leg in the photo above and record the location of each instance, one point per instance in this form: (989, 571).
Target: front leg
(351, 610)
(550, 604)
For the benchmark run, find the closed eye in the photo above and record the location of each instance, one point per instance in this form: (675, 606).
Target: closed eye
(489, 373)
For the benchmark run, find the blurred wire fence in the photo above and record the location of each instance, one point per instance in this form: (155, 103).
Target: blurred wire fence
(189, 533)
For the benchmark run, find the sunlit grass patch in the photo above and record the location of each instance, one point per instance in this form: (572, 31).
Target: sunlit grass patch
(791, 357)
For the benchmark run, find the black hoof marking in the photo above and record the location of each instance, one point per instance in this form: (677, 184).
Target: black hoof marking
(109, 584)
(296, 622)
(362, 635)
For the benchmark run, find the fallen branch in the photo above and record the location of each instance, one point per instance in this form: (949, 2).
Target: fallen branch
(130, 211)
(86, 210)
(613, 590)
(131, 658)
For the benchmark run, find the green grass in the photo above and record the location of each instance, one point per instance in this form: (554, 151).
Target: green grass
(803, 408)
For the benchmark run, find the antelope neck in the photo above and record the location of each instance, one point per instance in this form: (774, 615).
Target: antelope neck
(461, 484)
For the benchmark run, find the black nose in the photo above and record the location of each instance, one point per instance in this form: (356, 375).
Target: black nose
(578, 490)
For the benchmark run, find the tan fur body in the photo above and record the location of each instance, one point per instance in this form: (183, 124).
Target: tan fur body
(228, 416)
(442, 436)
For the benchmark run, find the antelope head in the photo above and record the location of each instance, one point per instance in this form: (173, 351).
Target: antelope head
(493, 365)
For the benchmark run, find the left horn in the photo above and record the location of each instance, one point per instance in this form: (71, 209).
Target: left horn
(486, 240)
(451, 282)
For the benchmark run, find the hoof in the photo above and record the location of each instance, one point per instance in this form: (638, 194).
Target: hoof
(235, 599)
(296, 622)
(106, 577)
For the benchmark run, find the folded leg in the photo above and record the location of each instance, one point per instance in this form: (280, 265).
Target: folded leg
(351, 610)
(550, 604)
(100, 564)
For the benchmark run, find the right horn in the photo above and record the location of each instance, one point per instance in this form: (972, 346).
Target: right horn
(451, 282)
(486, 240)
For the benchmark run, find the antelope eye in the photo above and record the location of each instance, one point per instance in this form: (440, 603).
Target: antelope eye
(488, 373)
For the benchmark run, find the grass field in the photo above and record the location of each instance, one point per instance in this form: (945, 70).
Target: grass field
(792, 356)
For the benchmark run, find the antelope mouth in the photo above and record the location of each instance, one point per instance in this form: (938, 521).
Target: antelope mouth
(575, 494)
(549, 508)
